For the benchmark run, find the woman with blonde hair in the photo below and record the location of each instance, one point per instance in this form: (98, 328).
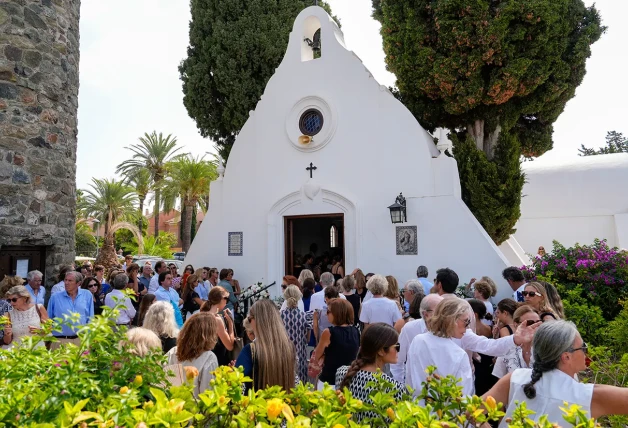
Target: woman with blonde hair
(360, 283)
(160, 320)
(142, 341)
(553, 299)
(270, 359)
(535, 296)
(450, 320)
(392, 292)
(521, 356)
(484, 289)
(216, 301)
(196, 340)
(305, 273)
(298, 326)
(25, 319)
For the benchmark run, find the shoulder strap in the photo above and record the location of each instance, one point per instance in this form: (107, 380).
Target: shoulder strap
(509, 329)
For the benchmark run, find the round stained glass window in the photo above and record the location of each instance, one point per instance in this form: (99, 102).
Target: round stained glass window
(311, 122)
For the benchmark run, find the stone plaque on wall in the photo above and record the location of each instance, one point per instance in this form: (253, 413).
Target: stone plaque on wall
(407, 241)
(235, 243)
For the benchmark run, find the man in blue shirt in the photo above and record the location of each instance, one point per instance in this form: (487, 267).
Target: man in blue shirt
(37, 292)
(224, 273)
(422, 274)
(166, 293)
(71, 300)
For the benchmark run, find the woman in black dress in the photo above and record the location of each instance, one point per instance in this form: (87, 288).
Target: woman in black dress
(348, 286)
(215, 304)
(191, 301)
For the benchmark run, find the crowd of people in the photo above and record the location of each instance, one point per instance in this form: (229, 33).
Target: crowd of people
(335, 329)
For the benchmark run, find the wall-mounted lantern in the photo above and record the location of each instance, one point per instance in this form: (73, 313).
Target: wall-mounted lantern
(398, 210)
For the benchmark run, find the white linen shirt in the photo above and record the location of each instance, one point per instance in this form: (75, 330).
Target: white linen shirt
(114, 298)
(58, 287)
(317, 301)
(408, 333)
(380, 309)
(154, 284)
(430, 350)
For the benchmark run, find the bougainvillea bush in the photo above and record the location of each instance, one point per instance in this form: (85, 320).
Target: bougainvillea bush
(598, 272)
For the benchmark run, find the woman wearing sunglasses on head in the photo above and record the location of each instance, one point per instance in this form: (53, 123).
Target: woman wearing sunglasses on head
(559, 354)
(535, 296)
(378, 346)
(215, 304)
(451, 319)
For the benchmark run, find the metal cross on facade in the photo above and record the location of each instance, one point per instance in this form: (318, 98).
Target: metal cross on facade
(311, 168)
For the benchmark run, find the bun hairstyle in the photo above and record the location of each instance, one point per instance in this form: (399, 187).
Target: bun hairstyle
(551, 340)
(377, 336)
(292, 296)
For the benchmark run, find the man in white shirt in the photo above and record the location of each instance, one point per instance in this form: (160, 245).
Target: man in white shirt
(160, 267)
(409, 332)
(379, 308)
(60, 286)
(517, 282)
(116, 296)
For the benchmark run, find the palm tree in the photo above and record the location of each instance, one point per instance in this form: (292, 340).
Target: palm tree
(113, 203)
(141, 180)
(188, 180)
(151, 153)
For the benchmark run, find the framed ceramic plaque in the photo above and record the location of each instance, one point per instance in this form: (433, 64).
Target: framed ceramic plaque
(407, 241)
(235, 243)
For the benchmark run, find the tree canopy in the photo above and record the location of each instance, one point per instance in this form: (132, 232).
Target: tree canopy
(235, 47)
(494, 72)
(615, 143)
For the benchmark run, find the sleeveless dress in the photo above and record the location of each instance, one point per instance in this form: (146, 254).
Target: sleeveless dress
(297, 325)
(20, 321)
(552, 390)
(342, 350)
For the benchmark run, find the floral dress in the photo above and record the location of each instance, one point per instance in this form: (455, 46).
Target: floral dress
(298, 324)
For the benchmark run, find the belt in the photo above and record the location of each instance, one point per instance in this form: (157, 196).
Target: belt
(66, 337)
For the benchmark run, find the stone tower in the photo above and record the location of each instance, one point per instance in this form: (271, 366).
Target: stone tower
(39, 81)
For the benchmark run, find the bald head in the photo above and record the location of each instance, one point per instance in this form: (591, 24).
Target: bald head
(428, 304)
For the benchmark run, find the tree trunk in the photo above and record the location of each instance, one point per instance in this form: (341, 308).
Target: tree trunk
(476, 131)
(186, 222)
(139, 221)
(157, 208)
(483, 141)
(107, 255)
(490, 142)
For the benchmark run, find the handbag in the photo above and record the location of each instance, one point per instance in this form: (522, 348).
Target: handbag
(238, 344)
(314, 368)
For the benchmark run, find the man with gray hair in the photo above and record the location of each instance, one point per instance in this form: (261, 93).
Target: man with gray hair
(37, 292)
(317, 301)
(410, 331)
(411, 289)
(116, 296)
(72, 300)
(422, 273)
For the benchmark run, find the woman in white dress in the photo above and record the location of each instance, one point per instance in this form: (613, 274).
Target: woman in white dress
(25, 319)
(559, 354)
(450, 320)
(519, 357)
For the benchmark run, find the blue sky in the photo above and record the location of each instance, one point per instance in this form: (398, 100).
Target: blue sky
(129, 81)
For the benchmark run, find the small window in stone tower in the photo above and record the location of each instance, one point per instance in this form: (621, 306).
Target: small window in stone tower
(333, 237)
(311, 122)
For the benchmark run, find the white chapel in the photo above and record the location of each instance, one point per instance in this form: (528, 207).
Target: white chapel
(321, 158)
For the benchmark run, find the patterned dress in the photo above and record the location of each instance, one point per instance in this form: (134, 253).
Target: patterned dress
(298, 324)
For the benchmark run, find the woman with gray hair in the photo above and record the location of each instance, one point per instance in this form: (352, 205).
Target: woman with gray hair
(379, 308)
(25, 319)
(450, 320)
(298, 325)
(559, 354)
(160, 319)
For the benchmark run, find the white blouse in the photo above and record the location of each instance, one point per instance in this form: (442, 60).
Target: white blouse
(449, 358)
(510, 362)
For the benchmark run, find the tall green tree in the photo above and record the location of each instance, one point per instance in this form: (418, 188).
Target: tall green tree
(113, 203)
(615, 143)
(487, 68)
(152, 153)
(141, 180)
(235, 47)
(188, 178)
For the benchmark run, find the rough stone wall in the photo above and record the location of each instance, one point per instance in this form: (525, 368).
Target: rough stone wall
(39, 80)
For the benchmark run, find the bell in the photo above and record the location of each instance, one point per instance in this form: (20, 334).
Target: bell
(305, 139)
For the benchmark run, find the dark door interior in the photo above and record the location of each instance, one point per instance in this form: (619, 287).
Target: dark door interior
(19, 260)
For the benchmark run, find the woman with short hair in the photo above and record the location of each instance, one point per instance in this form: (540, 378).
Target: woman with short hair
(216, 301)
(378, 308)
(535, 295)
(519, 357)
(196, 340)
(160, 320)
(339, 343)
(142, 341)
(25, 318)
(484, 289)
(378, 346)
(298, 326)
(559, 354)
(435, 348)
(270, 359)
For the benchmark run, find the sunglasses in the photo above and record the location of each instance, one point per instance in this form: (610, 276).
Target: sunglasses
(92, 285)
(530, 293)
(14, 299)
(467, 322)
(397, 347)
(584, 348)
